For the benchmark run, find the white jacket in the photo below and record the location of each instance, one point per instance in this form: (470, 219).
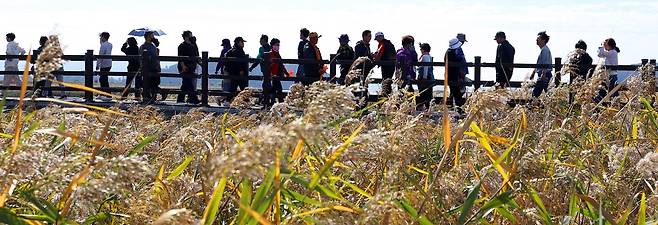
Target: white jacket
(13, 49)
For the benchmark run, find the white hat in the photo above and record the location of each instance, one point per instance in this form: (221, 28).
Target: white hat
(379, 34)
(454, 43)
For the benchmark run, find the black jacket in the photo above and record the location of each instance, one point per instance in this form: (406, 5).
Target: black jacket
(311, 69)
(362, 50)
(300, 49)
(234, 68)
(149, 59)
(504, 55)
(188, 49)
(133, 64)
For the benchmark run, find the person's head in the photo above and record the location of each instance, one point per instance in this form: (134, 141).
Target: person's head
(148, 36)
(264, 39)
(226, 43)
(366, 36)
(104, 36)
(11, 37)
(542, 39)
(275, 43)
(314, 37)
(43, 40)
(407, 41)
(344, 39)
(304, 33)
(462, 38)
(610, 44)
(156, 42)
(425, 48)
(239, 42)
(193, 40)
(187, 35)
(131, 41)
(581, 45)
(379, 36)
(500, 37)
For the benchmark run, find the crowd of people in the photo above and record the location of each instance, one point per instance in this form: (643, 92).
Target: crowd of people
(144, 73)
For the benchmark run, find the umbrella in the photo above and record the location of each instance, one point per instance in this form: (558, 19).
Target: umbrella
(141, 31)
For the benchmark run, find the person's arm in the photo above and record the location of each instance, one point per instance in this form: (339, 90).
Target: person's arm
(379, 53)
(124, 48)
(603, 53)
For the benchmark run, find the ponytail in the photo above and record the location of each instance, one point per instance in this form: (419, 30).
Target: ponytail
(617, 49)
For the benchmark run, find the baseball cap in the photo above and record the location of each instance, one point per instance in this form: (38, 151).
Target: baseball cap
(239, 39)
(500, 34)
(379, 34)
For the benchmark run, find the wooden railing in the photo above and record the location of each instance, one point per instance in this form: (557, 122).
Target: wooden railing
(205, 76)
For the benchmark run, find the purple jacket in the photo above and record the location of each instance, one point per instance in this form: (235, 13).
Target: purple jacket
(409, 57)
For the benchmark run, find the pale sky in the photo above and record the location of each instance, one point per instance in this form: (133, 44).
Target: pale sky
(632, 23)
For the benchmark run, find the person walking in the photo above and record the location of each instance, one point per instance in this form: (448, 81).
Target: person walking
(150, 68)
(610, 53)
(314, 70)
(463, 64)
(277, 71)
(11, 64)
(346, 53)
(240, 69)
(425, 78)
(104, 65)
(303, 36)
(362, 47)
(131, 48)
(544, 65)
(226, 45)
(456, 75)
(404, 60)
(187, 69)
(504, 60)
(42, 82)
(580, 62)
(386, 52)
(264, 47)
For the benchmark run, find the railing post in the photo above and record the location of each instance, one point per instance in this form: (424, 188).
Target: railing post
(644, 62)
(477, 71)
(558, 69)
(332, 66)
(652, 62)
(204, 78)
(89, 75)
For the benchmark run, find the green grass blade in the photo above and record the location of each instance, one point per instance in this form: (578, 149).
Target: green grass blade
(210, 213)
(468, 204)
(545, 215)
(332, 159)
(9, 217)
(246, 194)
(404, 204)
(179, 170)
(98, 218)
(138, 148)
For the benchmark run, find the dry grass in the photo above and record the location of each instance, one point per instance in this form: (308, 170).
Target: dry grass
(563, 163)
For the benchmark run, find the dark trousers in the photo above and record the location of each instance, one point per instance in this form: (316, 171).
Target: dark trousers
(188, 88)
(103, 78)
(541, 85)
(151, 85)
(612, 82)
(235, 84)
(138, 84)
(457, 95)
(426, 95)
(344, 70)
(387, 72)
(272, 91)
